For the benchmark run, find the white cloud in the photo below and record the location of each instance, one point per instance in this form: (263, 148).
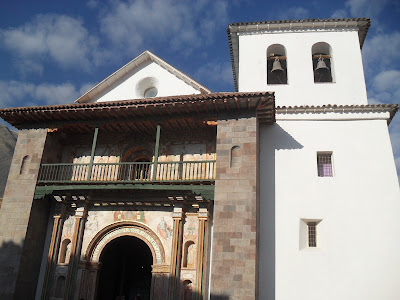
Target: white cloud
(385, 87)
(86, 87)
(58, 38)
(361, 8)
(365, 8)
(381, 51)
(92, 3)
(215, 72)
(16, 93)
(132, 25)
(56, 94)
(295, 12)
(388, 81)
(339, 14)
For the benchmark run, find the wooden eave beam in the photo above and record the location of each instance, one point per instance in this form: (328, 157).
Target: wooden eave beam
(157, 112)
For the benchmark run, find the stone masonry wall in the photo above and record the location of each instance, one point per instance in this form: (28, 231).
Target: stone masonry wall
(15, 214)
(233, 267)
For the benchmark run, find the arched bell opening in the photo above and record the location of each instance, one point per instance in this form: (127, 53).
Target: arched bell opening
(126, 269)
(322, 62)
(277, 65)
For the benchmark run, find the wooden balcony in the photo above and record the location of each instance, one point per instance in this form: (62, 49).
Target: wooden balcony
(128, 172)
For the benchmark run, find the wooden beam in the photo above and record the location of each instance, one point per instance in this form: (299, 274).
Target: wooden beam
(96, 132)
(156, 152)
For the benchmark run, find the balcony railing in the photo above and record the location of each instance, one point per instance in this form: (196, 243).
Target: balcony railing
(128, 172)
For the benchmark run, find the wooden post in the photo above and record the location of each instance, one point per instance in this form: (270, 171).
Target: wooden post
(156, 152)
(96, 132)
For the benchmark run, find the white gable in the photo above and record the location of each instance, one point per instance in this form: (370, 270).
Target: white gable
(145, 76)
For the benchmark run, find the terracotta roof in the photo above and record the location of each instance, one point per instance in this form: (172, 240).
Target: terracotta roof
(148, 109)
(390, 108)
(362, 24)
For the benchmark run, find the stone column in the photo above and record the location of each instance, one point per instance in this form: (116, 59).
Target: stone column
(53, 251)
(79, 226)
(21, 245)
(176, 255)
(234, 253)
(201, 252)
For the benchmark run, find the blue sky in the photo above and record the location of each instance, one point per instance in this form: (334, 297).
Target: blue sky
(51, 52)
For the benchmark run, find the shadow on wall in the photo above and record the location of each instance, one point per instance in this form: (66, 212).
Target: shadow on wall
(20, 259)
(8, 252)
(272, 138)
(184, 290)
(8, 249)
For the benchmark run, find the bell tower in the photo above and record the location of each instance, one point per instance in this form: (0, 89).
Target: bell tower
(305, 62)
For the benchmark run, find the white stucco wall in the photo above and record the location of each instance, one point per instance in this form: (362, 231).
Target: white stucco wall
(349, 85)
(359, 235)
(129, 87)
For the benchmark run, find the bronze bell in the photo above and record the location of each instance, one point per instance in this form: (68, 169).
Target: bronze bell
(321, 64)
(276, 66)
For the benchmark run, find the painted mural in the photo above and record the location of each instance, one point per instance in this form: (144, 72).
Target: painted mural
(173, 156)
(158, 221)
(154, 225)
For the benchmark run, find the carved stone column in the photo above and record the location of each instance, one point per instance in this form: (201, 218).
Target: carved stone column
(79, 227)
(53, 251)
(176, 255)
(201, 252)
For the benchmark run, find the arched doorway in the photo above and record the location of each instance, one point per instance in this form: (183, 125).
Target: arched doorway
(125, 273)
(140, 170)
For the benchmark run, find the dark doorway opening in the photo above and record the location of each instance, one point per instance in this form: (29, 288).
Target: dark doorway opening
(126, 270)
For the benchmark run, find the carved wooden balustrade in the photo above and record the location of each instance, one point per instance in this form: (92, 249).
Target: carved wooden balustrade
(128, 172)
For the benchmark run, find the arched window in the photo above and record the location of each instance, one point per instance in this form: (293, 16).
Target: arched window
(188, 254)
(140, 169)
(276, 64)
(322, 62)
(65, 251)
(24, 165)
(236, 157)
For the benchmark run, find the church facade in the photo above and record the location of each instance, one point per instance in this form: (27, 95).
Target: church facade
(150, 186)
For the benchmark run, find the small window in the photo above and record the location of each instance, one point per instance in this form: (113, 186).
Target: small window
(150, 92)
(24, 168)
(322, 62)
(312, 234)
(276, 65)
(236, 156)
(324, 163)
